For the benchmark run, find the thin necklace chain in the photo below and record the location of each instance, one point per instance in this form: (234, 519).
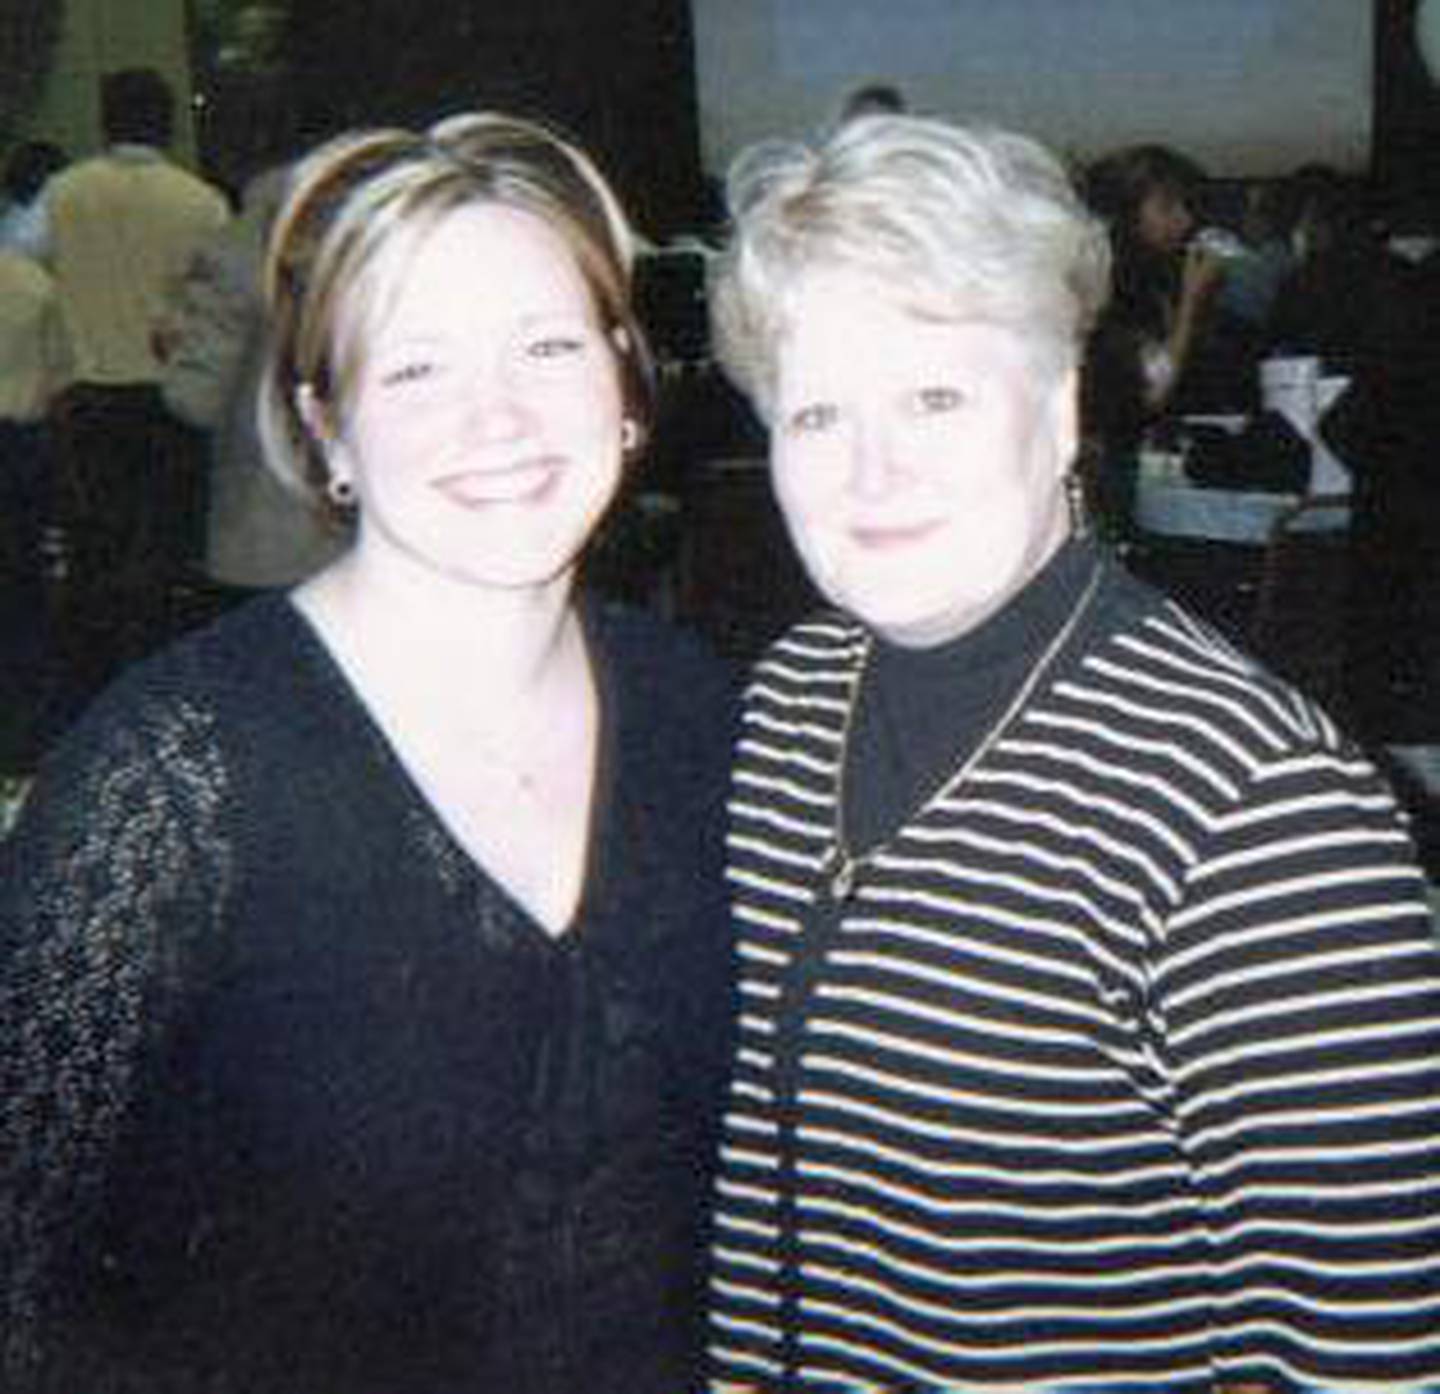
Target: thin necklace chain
(842, 865)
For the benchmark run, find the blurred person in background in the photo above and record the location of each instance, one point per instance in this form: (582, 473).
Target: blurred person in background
(122, 228)
(1144, 359)
(259, 532)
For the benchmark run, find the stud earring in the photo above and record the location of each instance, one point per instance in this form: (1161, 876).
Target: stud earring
(340, 491)
(1075, 502)
(629, 435)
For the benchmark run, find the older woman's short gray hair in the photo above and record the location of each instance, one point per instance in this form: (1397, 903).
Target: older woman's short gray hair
(962, 222)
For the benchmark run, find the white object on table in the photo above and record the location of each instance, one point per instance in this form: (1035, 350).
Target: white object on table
(1296, 389)
(1165, 508)
(1328, 473)
(1167, 504)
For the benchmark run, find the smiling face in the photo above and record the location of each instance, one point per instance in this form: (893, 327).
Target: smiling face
(919, 463)
(482, 437)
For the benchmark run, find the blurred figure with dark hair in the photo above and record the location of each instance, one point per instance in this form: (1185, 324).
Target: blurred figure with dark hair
(259, 534)
(1266, 229)
(873, 99)
(1148, 197)
(1142, 357)
(137, 107)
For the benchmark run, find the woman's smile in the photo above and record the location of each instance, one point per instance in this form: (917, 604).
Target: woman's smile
(527, 481)
(892, 536)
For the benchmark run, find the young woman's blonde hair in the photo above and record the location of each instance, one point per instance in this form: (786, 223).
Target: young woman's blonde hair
(360, 193)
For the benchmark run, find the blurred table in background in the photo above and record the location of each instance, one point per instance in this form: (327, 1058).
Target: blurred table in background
(1171, 508)
(1212, 545)
(1270, 569)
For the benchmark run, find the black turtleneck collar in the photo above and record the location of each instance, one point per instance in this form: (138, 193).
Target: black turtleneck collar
(922, 711)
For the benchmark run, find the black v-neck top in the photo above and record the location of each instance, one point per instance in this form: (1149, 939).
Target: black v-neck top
(923, 711)
(332, 1112)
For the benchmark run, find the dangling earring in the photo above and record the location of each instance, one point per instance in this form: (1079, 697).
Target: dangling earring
(340, 491)
(629, 435)
(1075, 501)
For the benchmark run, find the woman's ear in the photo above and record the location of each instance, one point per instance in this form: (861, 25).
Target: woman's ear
(1063, 420)
(339, 472)
(314, 413)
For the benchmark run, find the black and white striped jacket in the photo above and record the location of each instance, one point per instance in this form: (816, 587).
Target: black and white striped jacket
(1117, 1070)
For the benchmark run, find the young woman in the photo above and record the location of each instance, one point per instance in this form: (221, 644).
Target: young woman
(364, 986)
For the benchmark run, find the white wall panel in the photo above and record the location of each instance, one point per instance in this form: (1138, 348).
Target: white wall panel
(1245, 86)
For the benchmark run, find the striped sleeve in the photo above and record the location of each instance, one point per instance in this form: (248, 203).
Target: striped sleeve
(1301, 1007)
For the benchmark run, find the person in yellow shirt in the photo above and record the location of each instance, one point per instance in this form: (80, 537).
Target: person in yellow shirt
(122, 228)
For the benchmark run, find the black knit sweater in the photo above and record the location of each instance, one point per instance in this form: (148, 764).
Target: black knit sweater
(294, 1097)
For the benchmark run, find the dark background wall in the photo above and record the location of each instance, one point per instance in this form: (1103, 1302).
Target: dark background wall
(1248, 88)
(29, 33)
(622, 75)
(619, 74)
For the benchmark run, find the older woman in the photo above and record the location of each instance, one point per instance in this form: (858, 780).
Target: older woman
(1089, 1023)
(363, 1006)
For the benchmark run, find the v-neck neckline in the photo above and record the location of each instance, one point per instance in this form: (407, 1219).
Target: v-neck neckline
(605, 793)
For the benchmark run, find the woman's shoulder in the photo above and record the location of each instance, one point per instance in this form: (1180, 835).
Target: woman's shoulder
(247, 658)
(158, 748)
(250, 630)
(1176, 669)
